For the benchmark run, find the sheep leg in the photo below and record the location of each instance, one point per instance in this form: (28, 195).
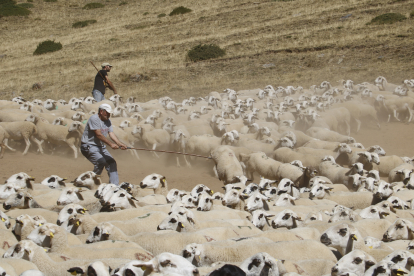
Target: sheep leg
(38, 143)
(75, 150)
(358, 125)
(396, 115)
(389, 117)
(7, 146)
(153, 148)
(2, 150)
(215, 172)
(136, 154)
(27, 145)
(410, 111)
(178, 161)
(186, 161)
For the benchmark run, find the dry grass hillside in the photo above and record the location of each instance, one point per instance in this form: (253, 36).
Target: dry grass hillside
(308, 41)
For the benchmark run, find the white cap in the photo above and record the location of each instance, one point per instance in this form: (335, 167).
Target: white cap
(106, 64)
(106, 107)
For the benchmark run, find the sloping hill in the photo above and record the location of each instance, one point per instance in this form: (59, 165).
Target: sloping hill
(306, 41)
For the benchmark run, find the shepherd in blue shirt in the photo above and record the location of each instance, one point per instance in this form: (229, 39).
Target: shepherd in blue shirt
(94, 139)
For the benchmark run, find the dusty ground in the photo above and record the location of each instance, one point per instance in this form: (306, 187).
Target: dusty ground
(395, 138)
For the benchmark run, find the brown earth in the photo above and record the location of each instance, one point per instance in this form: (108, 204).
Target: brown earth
(395, 138)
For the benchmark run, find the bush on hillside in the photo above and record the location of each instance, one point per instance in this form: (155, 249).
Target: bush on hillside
(388, 18)
(50, 0)
(81, 24)
(123, 3)
(180, 10)
(91, 6)
(205, 52)
(161, 15)
(412, 14)
(9, 8)
(47, 46)
(25, 5)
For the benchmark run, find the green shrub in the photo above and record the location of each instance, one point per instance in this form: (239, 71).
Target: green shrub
(50, 0)
(25, 5)
(123, 3)
(145, 13)
(180, 10)
(91, 6)
(161, 15)
(81, 24)
(31, 1)
(9, 8)
(412, 14)
(205, 52)
(47, 46)
(388, 18)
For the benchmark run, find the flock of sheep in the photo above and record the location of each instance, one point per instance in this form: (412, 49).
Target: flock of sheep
(300, 195)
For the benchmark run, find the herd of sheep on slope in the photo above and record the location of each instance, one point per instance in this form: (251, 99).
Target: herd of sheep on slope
(321, 203)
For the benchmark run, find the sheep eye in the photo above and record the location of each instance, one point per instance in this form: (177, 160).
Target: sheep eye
(312, 218)
(173, 220)
(343, 231)
(286, 217)
(395, 201)
(399, 226)
(181, 214)
(19, 196)
(154, 178)
(190, 200)
(69, 192)
(70, 211)
(373, 210)
(357, 261)
(207, 200)
(122, 195)
(19, 177)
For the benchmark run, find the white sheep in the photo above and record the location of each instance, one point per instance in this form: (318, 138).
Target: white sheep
(21, 131)
(227, 165)
(157, 138)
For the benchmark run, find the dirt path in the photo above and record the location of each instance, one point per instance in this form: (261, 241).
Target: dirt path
(395, 138)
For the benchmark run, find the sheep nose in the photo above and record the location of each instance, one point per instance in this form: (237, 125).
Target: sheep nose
(223, 202)
(6, 206)
(385, 237)
(334, 269)
(58, 202)
(97, 194)
(158, 228)
(199, 209)
(88, 242)
(325, 239)
(186, 254)
(245, 208)
(311, 196)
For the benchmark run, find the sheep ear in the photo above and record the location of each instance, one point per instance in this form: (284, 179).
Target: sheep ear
(132, 202)
(162, 180)
(368, 264)
(79, 195)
